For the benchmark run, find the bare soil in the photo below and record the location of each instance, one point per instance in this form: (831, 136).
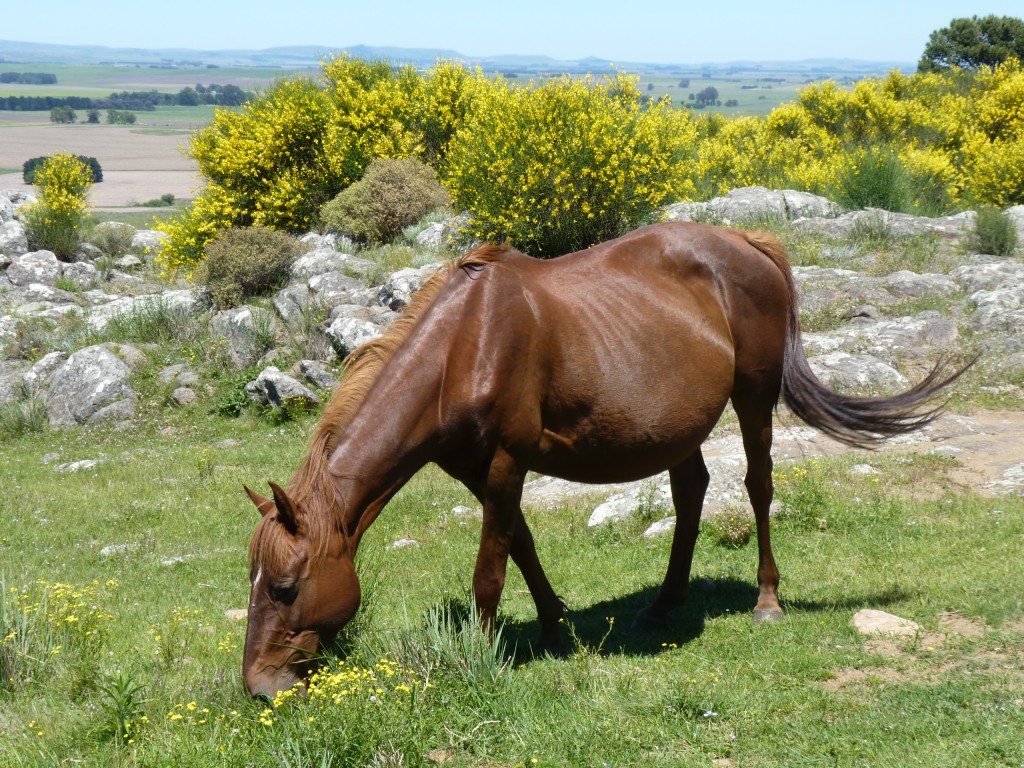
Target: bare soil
(139, 163)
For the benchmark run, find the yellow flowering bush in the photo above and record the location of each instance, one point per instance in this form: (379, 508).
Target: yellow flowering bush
(53, 223)
(563, 165)
(278, 160)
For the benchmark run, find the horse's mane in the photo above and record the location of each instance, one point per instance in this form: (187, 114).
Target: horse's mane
(365, 363)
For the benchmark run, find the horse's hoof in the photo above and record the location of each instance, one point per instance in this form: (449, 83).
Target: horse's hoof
(767, 616)
(648, 620)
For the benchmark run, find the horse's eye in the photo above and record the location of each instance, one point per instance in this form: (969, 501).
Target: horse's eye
(284, 591)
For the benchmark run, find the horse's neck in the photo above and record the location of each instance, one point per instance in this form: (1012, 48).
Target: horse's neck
(391, 437)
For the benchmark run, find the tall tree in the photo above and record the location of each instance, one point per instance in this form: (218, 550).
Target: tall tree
(974, 42)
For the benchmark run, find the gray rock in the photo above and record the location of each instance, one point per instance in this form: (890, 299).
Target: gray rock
(857, 373)
(11, 200)
(324, 260)
(118, 549)
(241, 328)
(1016, 215)
(76, 466)
(12, 381)
(332, 288)
(81, 273)
(317, 373)
(34, 267)
(292, 304)
(272, 387)
(954, 228)
(88, 252)
(432, 237)
(348, 333)
(91, 387)
(316, 242)
(399, 288)
(662, 527)
(13, 239)
(753, 204)
(646, 495)
(129, 263)
(403, 544)
(179, 375)
(148, 242)
(130, 355)
(39, 376)
(184, 396)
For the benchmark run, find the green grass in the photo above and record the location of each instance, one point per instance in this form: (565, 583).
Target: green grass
(806, 691)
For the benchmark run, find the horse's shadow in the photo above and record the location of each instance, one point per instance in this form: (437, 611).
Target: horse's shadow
(604, 627)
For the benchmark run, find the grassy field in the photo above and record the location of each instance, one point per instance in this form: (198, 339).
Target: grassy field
(153, 541)
(755, 94)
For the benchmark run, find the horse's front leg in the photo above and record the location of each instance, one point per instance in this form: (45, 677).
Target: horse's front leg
(500, 495)
(505, 533)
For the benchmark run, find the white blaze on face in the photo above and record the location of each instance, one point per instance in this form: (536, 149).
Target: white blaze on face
(255, 584)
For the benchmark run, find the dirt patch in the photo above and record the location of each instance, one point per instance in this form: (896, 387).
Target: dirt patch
(138, 165)
(909, 660)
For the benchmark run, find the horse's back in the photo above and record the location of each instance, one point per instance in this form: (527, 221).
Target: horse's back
(628, 351)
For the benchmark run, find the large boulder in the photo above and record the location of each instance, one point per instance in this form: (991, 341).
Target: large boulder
(347, 333)
(857, 373)
(279, 390)
(398, 290)
(324, 260)
(244, 331)
(34, 267)
(91, 387)
(755, 204)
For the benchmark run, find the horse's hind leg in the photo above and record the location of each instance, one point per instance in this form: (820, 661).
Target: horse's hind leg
(689, 483)
(755, 416)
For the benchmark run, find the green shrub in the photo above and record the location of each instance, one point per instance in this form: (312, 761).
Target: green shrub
(874, 178)
(112, 238)
(246, 261)
(22, 417)
(392, 195)
(994, 232)
(730, 528)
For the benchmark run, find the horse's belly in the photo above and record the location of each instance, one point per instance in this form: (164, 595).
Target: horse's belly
(609, 457)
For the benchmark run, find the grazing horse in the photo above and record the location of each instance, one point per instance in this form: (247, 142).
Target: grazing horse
(606, 365)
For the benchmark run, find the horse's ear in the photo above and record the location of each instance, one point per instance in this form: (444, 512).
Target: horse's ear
(263, 504)
(286, 511)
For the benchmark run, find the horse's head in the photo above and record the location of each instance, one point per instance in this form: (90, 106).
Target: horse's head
(304, 589)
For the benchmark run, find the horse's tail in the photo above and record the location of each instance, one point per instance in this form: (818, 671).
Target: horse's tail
(861, 422)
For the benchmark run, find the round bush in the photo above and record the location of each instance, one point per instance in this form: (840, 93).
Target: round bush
(244, 262)
(392, 195)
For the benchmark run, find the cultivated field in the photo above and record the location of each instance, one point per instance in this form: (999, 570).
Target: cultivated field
(139, 163)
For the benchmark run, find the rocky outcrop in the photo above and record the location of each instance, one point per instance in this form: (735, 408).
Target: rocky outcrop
(754, 204)
(90, 387)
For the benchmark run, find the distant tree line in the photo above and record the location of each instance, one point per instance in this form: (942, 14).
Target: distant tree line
(138, 101)
(28, 78)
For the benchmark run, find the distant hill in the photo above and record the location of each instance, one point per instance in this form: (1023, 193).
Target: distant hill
(292, 57)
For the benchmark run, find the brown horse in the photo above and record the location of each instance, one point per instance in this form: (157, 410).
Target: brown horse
(609, 364)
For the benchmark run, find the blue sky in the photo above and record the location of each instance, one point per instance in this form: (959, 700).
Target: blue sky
(669, 31)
